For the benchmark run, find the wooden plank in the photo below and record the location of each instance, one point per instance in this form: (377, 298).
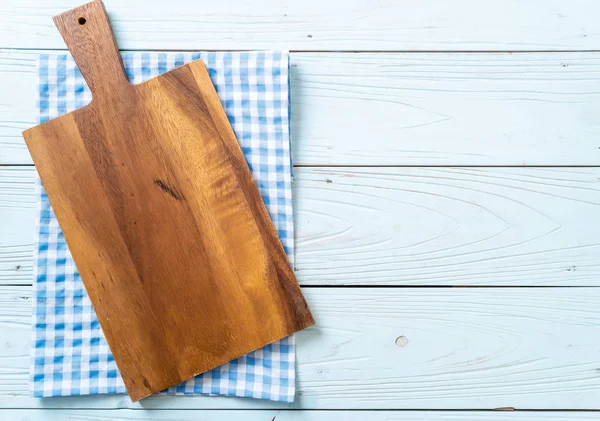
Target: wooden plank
(17, 224)
(448, 226)
(19, 112)
(446, 109)
(289, 415)
(315, 25)
(406, 226)
(395, 348)
(404, 109)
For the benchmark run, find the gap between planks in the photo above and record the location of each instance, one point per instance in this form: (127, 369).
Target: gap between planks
(364, 286)
(193, 50)
(317, 411)
(342, 166)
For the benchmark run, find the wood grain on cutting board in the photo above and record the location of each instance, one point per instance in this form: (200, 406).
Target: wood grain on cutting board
(164, 220)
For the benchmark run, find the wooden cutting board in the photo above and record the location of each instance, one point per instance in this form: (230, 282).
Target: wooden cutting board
(165, 223)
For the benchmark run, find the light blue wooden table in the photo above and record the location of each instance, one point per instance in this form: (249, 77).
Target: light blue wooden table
(447, 202)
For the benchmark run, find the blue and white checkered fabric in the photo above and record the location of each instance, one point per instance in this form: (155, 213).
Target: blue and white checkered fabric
(70, 354)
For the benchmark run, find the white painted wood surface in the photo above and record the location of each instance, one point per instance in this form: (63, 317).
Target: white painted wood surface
(383, 83)
(406, 226)
(404, 109)
(526, 348)
(322, 25)
(287, 415)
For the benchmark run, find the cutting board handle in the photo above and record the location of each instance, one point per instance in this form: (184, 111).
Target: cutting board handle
(89, 37)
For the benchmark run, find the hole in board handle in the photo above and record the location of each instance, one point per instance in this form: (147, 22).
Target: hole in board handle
(81, 20)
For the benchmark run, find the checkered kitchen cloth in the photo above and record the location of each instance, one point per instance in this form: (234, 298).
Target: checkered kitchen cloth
(70, 354)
